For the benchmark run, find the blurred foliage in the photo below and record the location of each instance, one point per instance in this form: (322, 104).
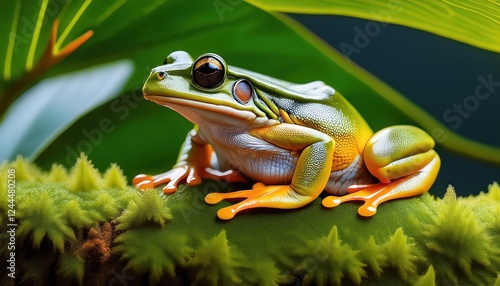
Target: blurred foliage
(474, 23)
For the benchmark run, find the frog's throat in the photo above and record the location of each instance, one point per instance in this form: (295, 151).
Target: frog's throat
(172, 103)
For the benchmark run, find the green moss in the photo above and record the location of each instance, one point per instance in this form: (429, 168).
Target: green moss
(263, 273)
(325, 261)
(371, 254)
(84, 177)
(75, 215)
(25, 171)
(103, 207)
(4, 198)
(114, 178)
(497, 281)
(57, 173)
(494, 192)
(215, 262)
(456, 240)
(71, 269)
(402, 254)
(429, 279)
(81, 227)
(145, 207)
(40, 219)
(153, 251)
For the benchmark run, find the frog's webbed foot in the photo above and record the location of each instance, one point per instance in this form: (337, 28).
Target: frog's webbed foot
(407, 170)
(260, 196)
(192, 175)
(373, 195)
(171, 178)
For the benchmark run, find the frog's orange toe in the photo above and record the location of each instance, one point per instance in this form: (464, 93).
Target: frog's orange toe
(226, 213)
(213, 198)
(144, 185)
(169, 189)
(141, 178)
(331, 202)
(367, 210)
(144, 182)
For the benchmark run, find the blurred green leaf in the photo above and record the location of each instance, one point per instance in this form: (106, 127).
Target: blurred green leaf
(59, 102)
(471, 22)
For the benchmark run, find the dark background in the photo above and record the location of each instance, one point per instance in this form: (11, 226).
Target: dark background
(435, 73)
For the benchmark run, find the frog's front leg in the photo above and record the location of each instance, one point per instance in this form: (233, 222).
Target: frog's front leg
(193, 164)
(309, 179)
(403, 159)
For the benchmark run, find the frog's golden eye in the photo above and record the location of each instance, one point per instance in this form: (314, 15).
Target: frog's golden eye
(242, 91)
(208, 71)
(161, 75)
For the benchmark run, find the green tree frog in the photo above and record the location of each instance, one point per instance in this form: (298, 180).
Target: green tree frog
(294, 140)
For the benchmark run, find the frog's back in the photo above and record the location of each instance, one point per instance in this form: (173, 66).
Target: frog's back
(329, 112)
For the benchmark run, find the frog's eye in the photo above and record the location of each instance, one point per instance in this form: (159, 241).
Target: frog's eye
(208, 71)
(242, 91)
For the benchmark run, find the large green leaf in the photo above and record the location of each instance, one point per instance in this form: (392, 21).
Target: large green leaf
(59, 102)
(473, 22)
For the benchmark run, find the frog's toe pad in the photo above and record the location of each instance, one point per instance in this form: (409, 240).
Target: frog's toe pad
(331, 202)
(143, 181)
(226, 213)
(169, 189)
(367, 210)
(214, 198)
(144, 185)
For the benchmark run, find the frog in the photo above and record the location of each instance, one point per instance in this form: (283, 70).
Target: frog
(296, 142)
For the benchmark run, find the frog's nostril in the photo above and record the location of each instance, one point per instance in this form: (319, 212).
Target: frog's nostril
(161, 75)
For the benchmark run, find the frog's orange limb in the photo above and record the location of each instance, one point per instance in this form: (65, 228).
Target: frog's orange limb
(376, 194)
(192, 166)
(261, 196)
(309, 179)
(404, 169)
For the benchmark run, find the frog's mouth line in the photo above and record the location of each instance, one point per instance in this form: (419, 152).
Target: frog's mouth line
(171, 102)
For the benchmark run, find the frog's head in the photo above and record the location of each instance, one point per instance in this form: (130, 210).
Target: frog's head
(208, 89)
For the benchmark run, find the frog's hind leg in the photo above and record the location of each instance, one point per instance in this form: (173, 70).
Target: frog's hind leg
(260, 196)
(402, 158)
(309, 179)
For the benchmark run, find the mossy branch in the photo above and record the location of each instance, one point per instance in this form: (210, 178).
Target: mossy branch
(84, 227)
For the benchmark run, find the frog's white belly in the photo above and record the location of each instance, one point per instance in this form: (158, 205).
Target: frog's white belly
(257, 160)
(263, 162)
